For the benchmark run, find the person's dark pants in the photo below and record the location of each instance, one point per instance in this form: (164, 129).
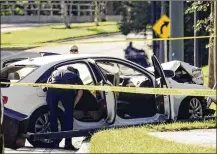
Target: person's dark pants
(66, 96)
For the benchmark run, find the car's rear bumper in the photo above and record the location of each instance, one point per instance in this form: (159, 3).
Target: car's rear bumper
(14, 124)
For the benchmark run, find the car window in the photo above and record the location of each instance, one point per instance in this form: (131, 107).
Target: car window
(17, 73)
(123, 75)
(83, 70)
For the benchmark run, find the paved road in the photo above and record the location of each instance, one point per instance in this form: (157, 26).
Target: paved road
(113, 49)
(77, 142)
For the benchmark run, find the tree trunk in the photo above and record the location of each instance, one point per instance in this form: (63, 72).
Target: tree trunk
(66, 18)
(211, 59)
(211, 66)
(97, 13)
(215, 39)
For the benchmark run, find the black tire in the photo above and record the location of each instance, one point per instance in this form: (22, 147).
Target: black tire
(185, 108)
(32, 123)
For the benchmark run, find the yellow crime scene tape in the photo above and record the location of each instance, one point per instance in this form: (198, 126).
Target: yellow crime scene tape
(159, 91)
(115, 41)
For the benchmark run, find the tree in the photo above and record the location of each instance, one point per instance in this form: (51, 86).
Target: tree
(97, 12)
(65, 16)
(208, 23)
(135, 16)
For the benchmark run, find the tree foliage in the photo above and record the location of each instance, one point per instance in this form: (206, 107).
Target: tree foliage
(206, 23)
(136, 16)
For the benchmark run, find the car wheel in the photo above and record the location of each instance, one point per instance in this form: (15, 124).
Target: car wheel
(191, 108)
(195, 108)
(39, 123)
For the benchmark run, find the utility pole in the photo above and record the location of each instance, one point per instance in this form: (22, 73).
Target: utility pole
(163, 44)
(176, 47)
(154, 43)
(196, 51)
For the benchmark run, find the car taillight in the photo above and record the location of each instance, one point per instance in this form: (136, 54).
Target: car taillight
(5, 99)
(105, 106)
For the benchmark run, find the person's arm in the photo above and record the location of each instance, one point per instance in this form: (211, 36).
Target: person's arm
(80, 92)
(78, 97)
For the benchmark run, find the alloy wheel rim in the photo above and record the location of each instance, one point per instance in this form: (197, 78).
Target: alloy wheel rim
(195, 108)
(42, 125)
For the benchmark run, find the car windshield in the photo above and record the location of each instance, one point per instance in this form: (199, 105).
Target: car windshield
(16, 73)
(114, 68)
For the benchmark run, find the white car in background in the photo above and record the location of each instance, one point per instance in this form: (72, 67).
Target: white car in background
(114, 108)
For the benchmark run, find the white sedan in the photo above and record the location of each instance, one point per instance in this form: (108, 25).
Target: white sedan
(113, 108)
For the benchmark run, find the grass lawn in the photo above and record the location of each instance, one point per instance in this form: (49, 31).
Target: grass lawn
(38, 35)
(137, 140)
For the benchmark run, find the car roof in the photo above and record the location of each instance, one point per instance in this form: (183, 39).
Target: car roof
(56, 58)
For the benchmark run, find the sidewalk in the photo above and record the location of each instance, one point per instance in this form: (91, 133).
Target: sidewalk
(201, 137)
(14, 27)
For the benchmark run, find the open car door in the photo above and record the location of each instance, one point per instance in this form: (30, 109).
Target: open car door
(109, 96)
(162, 83)
(43, 54)
(9, 61)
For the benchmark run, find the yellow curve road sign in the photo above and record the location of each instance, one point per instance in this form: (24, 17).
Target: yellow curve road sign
(162, 27)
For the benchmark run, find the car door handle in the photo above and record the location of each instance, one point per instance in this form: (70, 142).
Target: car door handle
(40, 92)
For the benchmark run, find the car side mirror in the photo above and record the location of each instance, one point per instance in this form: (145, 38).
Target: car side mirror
(169, 73)
(4, 85)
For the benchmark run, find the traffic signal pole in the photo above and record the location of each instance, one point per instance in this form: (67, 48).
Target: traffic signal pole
(163, 44)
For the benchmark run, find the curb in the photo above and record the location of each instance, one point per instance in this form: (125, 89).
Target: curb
(84, 37)
(17, 49)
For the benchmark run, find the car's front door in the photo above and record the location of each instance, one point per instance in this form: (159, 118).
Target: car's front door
(162, 83)
(108, 95)
(132, 108)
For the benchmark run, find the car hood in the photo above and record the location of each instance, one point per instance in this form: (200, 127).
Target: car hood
(174, 65)
(174, 84)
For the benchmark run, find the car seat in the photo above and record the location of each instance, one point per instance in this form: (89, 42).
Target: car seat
(13, 76)
(89, 108)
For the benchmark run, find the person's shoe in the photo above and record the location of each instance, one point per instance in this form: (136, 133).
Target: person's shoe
(70, 147)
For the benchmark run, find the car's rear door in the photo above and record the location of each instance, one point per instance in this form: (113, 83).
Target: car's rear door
(162, 83)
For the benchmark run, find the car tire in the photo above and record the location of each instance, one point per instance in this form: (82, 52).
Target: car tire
(34, 119)
(191, 108)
